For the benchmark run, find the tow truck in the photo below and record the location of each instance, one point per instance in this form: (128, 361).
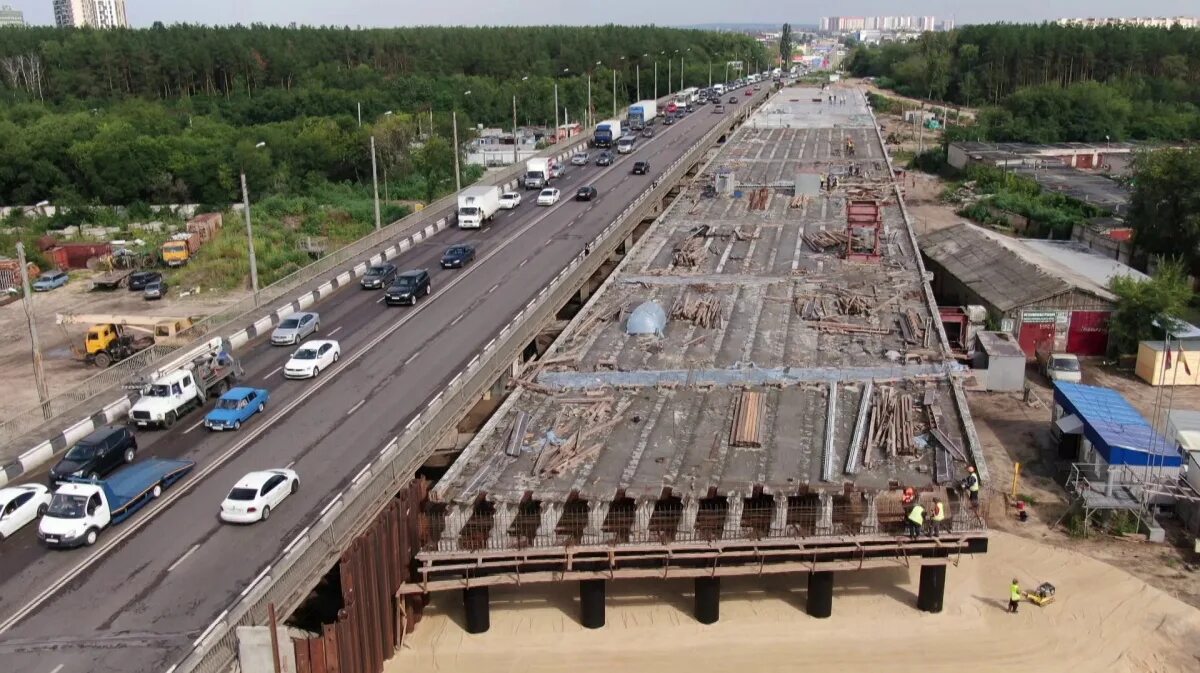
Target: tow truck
(185, 384)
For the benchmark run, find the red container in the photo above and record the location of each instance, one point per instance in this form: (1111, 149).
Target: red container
(76, 255)
(205, 226)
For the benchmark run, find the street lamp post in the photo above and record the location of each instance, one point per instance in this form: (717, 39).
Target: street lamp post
(250, 231)
(639, 76)
(389, 113)
(375, 181)
(457, 172)
(39, 374)
(590, 118)
(516, 144)
(556, 106)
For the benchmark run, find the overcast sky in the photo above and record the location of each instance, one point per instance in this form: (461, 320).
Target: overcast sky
(666, 12)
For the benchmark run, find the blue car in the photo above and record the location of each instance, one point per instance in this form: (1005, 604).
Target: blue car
(235, 407)
(50, 280)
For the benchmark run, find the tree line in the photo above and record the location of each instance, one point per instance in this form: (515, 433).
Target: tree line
(175, 113)
(1051, 83)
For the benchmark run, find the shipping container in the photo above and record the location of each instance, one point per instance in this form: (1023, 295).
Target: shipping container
(206, 226)
(76, 255)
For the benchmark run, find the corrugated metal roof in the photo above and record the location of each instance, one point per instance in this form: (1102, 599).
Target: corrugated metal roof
(1116, 422)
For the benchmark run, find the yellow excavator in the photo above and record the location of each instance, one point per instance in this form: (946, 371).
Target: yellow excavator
(111, 337)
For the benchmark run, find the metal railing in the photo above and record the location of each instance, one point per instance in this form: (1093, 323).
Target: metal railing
(286, 582)
(236, 316)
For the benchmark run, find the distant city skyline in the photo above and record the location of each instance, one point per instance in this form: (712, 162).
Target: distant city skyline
(371, 13)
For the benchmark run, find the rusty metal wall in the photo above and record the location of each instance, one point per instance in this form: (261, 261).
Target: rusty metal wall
(373, 620)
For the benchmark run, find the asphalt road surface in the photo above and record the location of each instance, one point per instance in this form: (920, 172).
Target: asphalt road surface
(136, 601)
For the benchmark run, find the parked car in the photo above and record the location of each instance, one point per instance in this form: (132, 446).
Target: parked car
(295, 327)
(548, 197)
(254, 496)
(236, 407)
(140, 279)
(97, 454)
(408, 288)
(605, 158)
(641, 167)
(510, 200)
(309, 359)
(1059, 366)
(580, 159)
(585, 193)
(50, 280)
(458, 256)
(156, 290)
(20, 505)
(378, 276)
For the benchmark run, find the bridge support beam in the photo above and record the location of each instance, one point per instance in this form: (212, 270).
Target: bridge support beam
(591, 603)
(820, 594)
(932, 589)
(708, 599)
(475, 603)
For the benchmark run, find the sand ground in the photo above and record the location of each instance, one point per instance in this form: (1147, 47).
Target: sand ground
(1104, 619)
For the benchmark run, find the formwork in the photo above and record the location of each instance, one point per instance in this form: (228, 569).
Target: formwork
(798, 384)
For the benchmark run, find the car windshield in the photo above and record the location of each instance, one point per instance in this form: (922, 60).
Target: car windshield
(456, 251)
(158, 390)
(306, 354)
(227, 404)
(1065, 364)
(469, 210)
(376, 271)
(64, 506)
(243, 494)
(81, 453)
(548, 192)
(404, 281)
(509, 197)
(290, 323)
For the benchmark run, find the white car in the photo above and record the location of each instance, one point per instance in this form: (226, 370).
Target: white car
(256, 494)
(548, 197)
(510, 200)
(311, 358)
(20, 505)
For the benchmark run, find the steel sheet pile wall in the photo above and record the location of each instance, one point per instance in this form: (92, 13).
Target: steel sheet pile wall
(373, 620)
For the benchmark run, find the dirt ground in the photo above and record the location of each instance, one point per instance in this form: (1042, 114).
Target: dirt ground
(62, 371)
(1103, 619)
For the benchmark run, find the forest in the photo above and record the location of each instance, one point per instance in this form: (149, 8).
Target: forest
(1051, 83)
(173, 114)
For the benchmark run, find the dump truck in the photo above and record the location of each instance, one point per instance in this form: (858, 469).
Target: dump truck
(607, 133)
(179, 250)
(478, 204)
(82, 508)
(643, 111)
(112, 337)
(185, 384)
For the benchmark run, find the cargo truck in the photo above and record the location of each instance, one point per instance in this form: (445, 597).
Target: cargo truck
(81, 508)
(607, 133)
(478, 204)
(178, 250)
(643, 111)
(539, 171)
(185, 384)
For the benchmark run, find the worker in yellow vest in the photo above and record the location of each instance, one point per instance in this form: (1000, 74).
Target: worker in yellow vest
(1014, 596)
(915, 520)
(973, 485)
(937, 516)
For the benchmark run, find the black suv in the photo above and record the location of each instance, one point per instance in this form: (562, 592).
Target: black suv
(101, 452)
(380, 275)
(408, 287)
(140, 279)
(586, 193)
(641, 167)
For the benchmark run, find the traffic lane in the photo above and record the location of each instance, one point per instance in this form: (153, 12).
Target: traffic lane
(461, 315)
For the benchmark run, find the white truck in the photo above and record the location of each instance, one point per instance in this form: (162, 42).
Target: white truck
(478, 204)
(539, 171)
(185, 384)
(643, 111)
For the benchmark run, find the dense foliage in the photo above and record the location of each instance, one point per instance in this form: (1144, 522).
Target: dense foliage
(1051, 83)
(1050, 215)
(1165, 207)
(172, 114)
(1143, 303)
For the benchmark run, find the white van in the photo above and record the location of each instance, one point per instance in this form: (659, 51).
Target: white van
(625, 144)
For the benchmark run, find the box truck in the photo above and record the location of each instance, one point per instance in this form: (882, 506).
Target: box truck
(607, 133)
(539, 171)
(643, 111)
(478, 204)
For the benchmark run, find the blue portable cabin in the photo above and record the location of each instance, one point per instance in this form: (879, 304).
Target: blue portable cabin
(1098, 426)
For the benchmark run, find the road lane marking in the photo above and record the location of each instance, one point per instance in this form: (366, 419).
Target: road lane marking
(456, 320)
(356, 407)
(181, 558)
(493, 288)
(523, 262)
(57, 668)
(289, 465)
(411, 358)
(335, 330)
(194, 426)
(275, 371)
(380, 300)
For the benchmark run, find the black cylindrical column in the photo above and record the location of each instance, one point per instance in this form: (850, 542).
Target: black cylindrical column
(475, 601)
(933, 588)
(591, 603)
(820, 594)
(708, 599)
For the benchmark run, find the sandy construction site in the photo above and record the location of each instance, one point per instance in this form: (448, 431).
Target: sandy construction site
(1102, 620)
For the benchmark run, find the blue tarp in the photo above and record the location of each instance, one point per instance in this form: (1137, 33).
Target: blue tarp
(1120, 434)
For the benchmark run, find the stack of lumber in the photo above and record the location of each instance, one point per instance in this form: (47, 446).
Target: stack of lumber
(853, 304)
(748, 416)
(798, 201)
(810, 308)
(692, 252)
(759, 198)
(849, 328)
(701, 310)
(893, 425)
(743, 236)
(823, 240)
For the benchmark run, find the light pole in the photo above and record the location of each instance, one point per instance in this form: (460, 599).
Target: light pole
(389, 113)
(516, 144)
(639, 76)
(457, 172)
(681, 86)
(565, 70)
(615, 90)
(375, 181)
(250, 230)
(590, 118)
(39, 375)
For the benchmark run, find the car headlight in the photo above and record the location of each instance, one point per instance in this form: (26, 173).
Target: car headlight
(77, 473)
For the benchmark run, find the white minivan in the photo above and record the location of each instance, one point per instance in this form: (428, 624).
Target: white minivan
(625, 144)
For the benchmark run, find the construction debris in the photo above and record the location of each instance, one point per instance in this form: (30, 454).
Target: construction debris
(747, 420)
(702, 311)
(692, 252)
(853, 304)
(759, 199)
(516, 435)
(810, 308)
(893, 426)
(824, 240)
(849, 328)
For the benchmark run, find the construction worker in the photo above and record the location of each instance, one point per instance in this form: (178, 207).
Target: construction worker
(909, 496)
(915, 520)
(937, 516)
(973, 485)
(1014, 596)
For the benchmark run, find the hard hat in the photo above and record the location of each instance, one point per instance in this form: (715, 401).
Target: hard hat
(970, 468)
(1015, 581)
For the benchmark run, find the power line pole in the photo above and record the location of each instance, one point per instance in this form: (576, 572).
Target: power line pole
(656, 80)
(375, 182)
(39, 375)
(516, 146)
(250, 239)
(614, 93)
(639, 81)
(360, 115)
(457, 173)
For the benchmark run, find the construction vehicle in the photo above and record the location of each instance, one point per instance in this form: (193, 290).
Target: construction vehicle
(179, 250)
(1041, 596)
(112, 338)
(186, 383)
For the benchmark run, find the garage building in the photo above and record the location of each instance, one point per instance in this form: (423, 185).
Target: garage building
(1039, 291)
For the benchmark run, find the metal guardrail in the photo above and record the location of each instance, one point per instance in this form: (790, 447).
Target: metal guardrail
(235, 316)
(286, 582)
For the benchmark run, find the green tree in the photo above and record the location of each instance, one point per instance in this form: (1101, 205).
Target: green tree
(1143, 303)
(785, 46)
(434, 163)
(1165, 206)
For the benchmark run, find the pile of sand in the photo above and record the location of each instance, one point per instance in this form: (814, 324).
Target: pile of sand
(1103, 620)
